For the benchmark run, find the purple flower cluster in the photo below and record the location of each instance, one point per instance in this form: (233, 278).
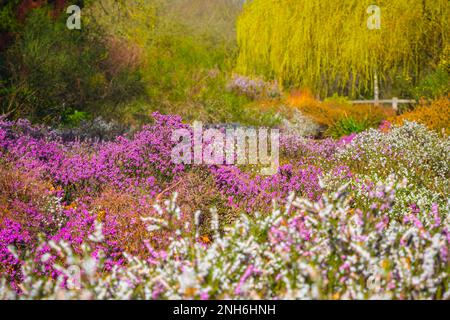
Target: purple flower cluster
(125, 163)
(12, 235)
(79, 174)
(253, 88)
(256, 193)
(76, 174)
(60, 190)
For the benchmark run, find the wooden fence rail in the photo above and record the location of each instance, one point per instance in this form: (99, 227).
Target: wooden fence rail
(394, 102)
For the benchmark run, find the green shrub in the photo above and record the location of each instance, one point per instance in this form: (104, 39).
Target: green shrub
(8, 21)
(73, 119)
(336, 99)
(435, 85)
(348, 125)
(52, 70)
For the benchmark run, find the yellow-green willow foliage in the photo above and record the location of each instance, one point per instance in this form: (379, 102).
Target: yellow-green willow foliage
(327, 46)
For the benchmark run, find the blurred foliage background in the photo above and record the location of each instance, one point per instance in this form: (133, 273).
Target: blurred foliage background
(234, 61)
(128, 59)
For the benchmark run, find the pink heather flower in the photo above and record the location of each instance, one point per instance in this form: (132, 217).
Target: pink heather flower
(385, 126)
(344, 266)
(248, 272)
(435, 212)
(382, 224)
(418, 223)
(444, 253)
(347, 139)
(204, 295)
(391, 285)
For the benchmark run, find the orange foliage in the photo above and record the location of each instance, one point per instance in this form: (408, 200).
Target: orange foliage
(329, 112)
(434, 115)
(125, 212)
(20, 190)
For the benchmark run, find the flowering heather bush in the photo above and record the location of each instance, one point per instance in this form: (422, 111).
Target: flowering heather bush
(369, 218)
(433, 115)
(125, 162)
(338, 116)
(302, 250)
(257, 193)
(253, 88)
(409, 152)
(301, 125)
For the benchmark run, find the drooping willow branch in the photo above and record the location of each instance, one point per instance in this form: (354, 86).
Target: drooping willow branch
(327, 46)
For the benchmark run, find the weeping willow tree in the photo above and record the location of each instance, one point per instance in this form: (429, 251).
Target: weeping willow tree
(328, 47)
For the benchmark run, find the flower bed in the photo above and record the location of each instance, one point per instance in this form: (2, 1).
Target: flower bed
(362, 217)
